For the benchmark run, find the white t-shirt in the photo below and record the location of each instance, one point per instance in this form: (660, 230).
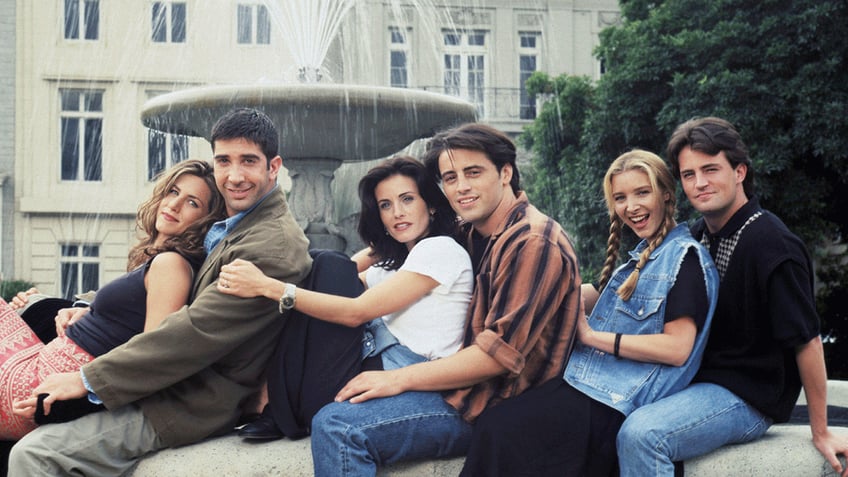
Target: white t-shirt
(433, 326)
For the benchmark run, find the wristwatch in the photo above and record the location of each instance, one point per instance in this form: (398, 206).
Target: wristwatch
(288, 298)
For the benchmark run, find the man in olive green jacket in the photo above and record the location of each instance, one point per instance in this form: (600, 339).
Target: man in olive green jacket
(187, 379)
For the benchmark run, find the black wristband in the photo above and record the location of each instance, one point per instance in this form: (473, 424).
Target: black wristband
(616, 345)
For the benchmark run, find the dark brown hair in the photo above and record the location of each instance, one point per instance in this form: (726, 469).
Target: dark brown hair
(390, 252)
(497, 146)
(711, 136)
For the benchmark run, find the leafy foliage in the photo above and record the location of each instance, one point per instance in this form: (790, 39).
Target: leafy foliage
(776, 69)
(10, 288)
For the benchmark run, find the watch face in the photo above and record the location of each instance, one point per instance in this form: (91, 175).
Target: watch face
(288, 302)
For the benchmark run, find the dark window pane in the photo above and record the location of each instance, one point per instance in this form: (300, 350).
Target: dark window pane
(69, 280)
(93, 151)
(70, 250)
(70, 148)
(155, 153)
(179, 148)
(528, 41)
(398, 59)
(397, 37)
(451, 39)
(90, 277)
(178, 22)
(263, 26)
(90, 250)
(71, 19)
(452, 62)
(92, 19)
(160, 34)
(398, 69)
(477, 39)
(70, 100)
(244, 24)
(398, 78)
(528, 63)
(93, 101)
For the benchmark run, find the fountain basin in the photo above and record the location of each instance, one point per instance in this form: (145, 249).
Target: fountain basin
(336, 121)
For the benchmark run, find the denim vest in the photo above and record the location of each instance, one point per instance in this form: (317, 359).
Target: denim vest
(625, 384)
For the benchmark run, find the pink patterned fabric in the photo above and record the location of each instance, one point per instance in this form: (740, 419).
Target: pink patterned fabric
(24, 362)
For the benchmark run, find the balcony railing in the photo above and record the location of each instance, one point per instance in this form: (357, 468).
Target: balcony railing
(498, 104)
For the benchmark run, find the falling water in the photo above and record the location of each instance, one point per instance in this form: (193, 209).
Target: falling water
(309, 28)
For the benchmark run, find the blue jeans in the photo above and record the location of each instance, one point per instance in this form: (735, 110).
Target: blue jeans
(690, 423)
(354, 439)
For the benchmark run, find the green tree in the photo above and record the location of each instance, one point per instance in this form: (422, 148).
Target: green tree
(775, 68)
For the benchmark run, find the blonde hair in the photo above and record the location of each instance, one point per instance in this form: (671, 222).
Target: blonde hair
(662, 182)
(189, 243)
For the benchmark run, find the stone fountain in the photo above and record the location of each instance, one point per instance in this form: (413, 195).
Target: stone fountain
(322, 125)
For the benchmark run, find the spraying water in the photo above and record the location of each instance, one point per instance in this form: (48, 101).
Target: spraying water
(309, 28)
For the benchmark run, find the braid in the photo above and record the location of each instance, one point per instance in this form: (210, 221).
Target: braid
(613, 244)
(629, 286)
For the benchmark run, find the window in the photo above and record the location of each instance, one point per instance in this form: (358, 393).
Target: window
(80, 269)
(398, 55)
(527, 64)
(168, 22)
(163, 151)
(254, 25)
(82, 134)
(465, 66)
(82, 19)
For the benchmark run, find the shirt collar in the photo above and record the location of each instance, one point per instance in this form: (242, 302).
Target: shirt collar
(737, 220)
(222, 228)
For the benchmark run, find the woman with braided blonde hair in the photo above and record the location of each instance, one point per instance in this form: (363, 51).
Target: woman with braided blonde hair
(660, 179)
(642, 341)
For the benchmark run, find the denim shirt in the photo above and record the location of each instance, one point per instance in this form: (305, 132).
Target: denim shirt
(624, 384)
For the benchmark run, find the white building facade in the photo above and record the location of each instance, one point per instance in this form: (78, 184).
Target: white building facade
(78, 160)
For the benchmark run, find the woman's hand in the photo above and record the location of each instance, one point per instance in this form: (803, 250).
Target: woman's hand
(22, 298)
(67, 317)
(58, 387)
(242, 278)
(371, 385)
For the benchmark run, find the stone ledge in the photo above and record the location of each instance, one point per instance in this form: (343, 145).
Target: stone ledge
(785, 451)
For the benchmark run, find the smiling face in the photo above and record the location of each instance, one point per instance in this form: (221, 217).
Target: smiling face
(712, 185)
(186, 202)
(242, 173)
(637, 204)
(476, 190)
(403, 211)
